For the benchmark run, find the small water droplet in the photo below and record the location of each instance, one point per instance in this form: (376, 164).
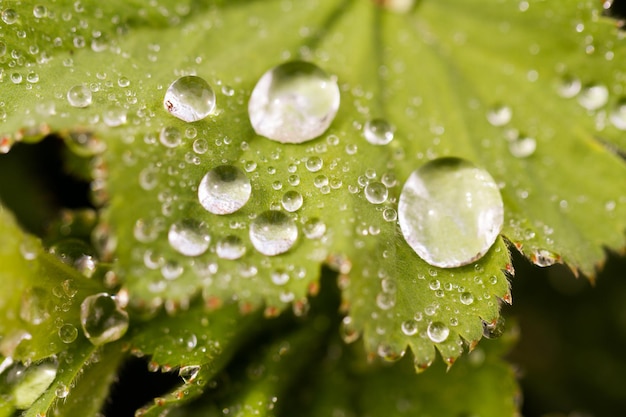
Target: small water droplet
(618, 115)
(9, 16)
(376, 192)
(466, 298)
(390, 215)
(189, 237)
(230, 247)
(171, 270)
(437, 332)
(292, 201)
(314, 163)
(40, 11)
(200, 146)
(190, 98)
(593, 96)
(544, 257)
(293, 102)
(62, 391)
(273, 232)
(450, 212)
(224, 190)
(189, 373)
(314, 228)
(522, 147)
(79, 96)
(569, 87)
(170, 137)
(409, 327)
(348, 330)
(67, 333)
(378, 131)
(102, 319)
(280, 277)
(499, 115)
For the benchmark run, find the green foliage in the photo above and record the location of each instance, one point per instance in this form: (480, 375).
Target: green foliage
(436, 73)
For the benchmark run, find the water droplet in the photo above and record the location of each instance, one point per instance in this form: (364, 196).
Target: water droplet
(314, 228)
(230, 247)
(409, 327)
(499, 115)
(200, 146)
(67, 333)
(30, 247)
(171, 270)
(437, 332)
(314, 163)
(376, 192)
(292, 201)
(189, 237)
(522, 147)
(390, 215)
(273, 233)
(62, 391)
(189, 98)
(569, 87)
(494, 329)
(593, 97)
(378, 131)
(79, 96)
(224, 189)
(40, 11)
(349, 332)
(170, 137)
(102, 319)
(466, 298)
(293, 102)
(279, 277)
(189, 373)
(450, 212)
(544, 257)
(9, 16)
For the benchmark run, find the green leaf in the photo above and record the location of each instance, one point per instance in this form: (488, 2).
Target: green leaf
(41, 296)
(434, 73)
(198, 351)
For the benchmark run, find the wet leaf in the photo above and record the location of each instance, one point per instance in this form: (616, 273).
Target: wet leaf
(453, 78)
(198, 351)
(41, 299)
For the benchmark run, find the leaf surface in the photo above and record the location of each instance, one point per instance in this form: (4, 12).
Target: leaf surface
(434, 73)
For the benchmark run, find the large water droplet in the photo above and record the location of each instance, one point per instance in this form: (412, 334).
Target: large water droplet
(189, 98)
(224, 189)
(273, 233)
(378, 131)
(293, 102)
(189, 237)
(79, 96)
(102, 319)
(450, 212)
(437, 332)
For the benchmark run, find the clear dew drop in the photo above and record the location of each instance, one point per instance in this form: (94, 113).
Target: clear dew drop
(273, 232)
(450, 212)
(593, 96)
(314, 164)
(376, 192)
(409, 327)
(189, 237)
(102, 319)
(67, 333)
(292, 201)
(378, 131)
(224, 190)
(314, 228)
(466, 298)
(499, 115)
(293, 102)
(61, 391)
(79, 96)
(523, 147)
(189, 98)
(189, 373)
(437, 332)
(9, 16)
(170, 137)
(569, 87)
(230, 247)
